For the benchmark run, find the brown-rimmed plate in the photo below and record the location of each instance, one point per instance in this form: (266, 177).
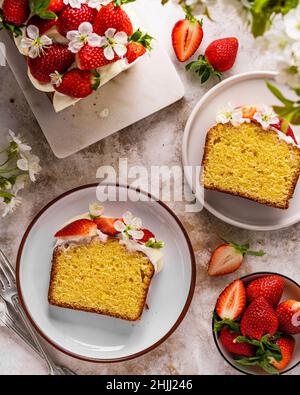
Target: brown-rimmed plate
(91, 336)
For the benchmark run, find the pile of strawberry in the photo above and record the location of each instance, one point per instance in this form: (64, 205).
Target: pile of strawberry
(254, 326)
(101, 33)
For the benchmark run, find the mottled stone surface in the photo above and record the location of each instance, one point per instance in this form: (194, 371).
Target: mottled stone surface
(154, 141)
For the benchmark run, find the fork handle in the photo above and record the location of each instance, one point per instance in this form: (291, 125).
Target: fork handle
(51, 365)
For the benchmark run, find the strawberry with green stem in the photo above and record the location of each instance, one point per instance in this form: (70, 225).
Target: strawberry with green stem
(187, 35)
(139, 43)
(219, 56)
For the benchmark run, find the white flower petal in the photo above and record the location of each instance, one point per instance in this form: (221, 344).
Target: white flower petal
(109, 53)
(120, 50)
(119, 226)
(85, 28)
(94, 40)
(34, 52)
(23, 164)
(33, 32)
(96, 210)
(121, 38)
(127, 218)
(45, 40)
(110, 32)
(136, 234)
(26, 43)
(73, 35)
(75, 46)
(136, 223)
(103, 42)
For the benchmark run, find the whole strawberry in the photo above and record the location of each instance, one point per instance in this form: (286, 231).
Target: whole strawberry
(270, 287)
(288, 313)
(42, 24)
(287, 347)
(71, 18)
(219, 56)
(92, 57)
(259, 319)
(56, 5)
(139, 44)
(113, 16)
(78, 83)
(228, 337)
(15, 12)
(56, 57)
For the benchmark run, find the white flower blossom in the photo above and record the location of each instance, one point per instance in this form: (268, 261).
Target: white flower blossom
(114, 42)
(266, 116)
(56, 78)
(232, 115)
(11, 206)
(20, 183)
(292, 23)
(97, 3)
(96, 210)
(84, 35)
(289, 73)
(21, 146)
(130, 226)
(34, 43)
(31, 164)
(74, 3)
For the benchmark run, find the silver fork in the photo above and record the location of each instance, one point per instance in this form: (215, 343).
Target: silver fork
(10, 296)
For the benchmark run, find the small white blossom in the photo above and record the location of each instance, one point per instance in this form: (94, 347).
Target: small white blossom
(84, 35)
(11, 206)
(97, 3)
(232, 115)
(56, 78)
(20, 183)
(266, 116)
(31, 164)
(114, 42)
(96, 210)
(292, 23)
(34, 43)
(21, 146)
(289, 73)
(74, 3)
(130, 226)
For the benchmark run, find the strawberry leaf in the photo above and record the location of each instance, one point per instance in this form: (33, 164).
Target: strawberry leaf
(142, 38)
(244, 248)
(16, 30)
(96, 80)
(40, 8)
(118, 3)
(203, 68)
(219, 324)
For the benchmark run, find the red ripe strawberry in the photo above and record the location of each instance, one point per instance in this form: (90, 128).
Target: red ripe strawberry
(81, 227)
(259, 319)
(232, 301)
(106, 225)
(134, 51)
(147, 235)
(78, 83)
(219, 56)
(187, 36)
(270, 287)
(288, 313)
(92, 57)
(112, 16)
(15, 12)
(43, 24)
(56, 57)
(70, 18)
(227, 338)
(289, 132)
(287, 347)
(56, 5)
(228, 257)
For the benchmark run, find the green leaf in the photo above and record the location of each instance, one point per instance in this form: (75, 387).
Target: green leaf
(142, 38)
(118, 3)
(40, 8)
(6, 195)
(244, 248)
(219, 324)
(276, 92)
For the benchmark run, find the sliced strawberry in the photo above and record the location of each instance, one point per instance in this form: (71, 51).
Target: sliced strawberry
(270, 287)
(225, 259)
(287, 347)
(147, 235)
(228, 337)
(248, 111)
(232, 301)
(81, 227)
(106, 225)
(187, 36)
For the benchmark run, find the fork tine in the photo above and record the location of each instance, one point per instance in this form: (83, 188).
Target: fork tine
(6, 270)
(8, 265)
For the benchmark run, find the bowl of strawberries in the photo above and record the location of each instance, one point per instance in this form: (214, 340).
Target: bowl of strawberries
(256, 324)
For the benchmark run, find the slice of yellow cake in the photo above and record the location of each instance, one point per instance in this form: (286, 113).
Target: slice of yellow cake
(251, 162)
(104, 265)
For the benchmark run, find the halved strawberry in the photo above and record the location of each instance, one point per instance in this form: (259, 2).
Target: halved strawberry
(106, 225)
(81, 227)
(147, 235)
(228, 257)
(232, 301)
(187, 36)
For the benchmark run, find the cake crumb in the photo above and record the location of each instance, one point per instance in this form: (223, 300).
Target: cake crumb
(104, 113)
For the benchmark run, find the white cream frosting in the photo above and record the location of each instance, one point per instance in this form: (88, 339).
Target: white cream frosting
(107, 73)
(155, 255)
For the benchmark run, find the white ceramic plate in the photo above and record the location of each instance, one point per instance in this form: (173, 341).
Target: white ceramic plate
(94, 337)
(247, 88)
(291, 291)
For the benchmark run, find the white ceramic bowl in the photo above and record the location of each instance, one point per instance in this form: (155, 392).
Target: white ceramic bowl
(291, 291)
